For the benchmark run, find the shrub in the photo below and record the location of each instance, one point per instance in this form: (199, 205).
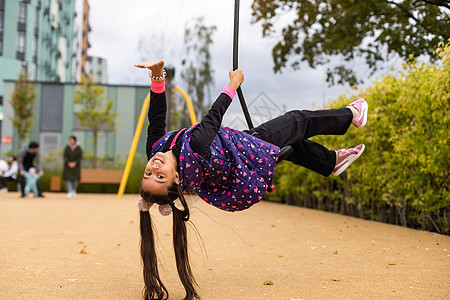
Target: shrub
(402, 177)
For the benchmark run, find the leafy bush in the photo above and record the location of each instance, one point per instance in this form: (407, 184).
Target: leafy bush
(402, 177)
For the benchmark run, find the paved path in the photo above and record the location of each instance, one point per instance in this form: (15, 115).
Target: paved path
(307, 254)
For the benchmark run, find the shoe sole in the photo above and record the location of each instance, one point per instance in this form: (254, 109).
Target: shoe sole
(350, 160)
(364, 109)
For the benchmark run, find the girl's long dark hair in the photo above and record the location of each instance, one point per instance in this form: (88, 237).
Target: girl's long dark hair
(154, 288)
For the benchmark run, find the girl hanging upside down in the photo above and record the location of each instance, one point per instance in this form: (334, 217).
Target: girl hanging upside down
(227, 168)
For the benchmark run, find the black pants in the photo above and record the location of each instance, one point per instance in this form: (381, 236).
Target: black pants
(4, 181)
(295, 127)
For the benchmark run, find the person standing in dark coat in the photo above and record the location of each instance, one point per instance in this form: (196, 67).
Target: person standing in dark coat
(25, 160)
(73, 155)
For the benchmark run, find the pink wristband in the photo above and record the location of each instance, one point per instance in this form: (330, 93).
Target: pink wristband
(158, 86)
(229, 91)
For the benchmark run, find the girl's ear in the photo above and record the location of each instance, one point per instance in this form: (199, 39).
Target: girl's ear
(177, 178)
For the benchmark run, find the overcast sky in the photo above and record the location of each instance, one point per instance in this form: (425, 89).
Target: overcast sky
(118, 26)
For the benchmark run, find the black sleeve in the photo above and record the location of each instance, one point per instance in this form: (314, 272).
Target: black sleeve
(157, 118)
(20, 158)
(205, 132)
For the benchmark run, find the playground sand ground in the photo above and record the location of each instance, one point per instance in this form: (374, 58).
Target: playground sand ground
(306, 254)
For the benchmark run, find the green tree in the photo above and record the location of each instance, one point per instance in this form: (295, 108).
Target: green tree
(198, 72)
(22, 102)
(95, 113)
(373, 30)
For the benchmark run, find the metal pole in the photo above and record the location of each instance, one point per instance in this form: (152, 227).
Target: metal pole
(235, 63)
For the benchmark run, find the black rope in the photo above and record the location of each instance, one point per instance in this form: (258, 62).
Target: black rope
(235, 63)
(285, 151)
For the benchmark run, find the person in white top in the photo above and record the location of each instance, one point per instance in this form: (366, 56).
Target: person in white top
(10, 174)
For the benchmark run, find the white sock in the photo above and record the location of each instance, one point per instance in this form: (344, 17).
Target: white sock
(354, 111)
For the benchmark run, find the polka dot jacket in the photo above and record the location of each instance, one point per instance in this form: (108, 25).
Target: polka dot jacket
(237, 173)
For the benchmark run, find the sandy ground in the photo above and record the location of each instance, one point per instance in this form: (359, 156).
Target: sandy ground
(307, 254)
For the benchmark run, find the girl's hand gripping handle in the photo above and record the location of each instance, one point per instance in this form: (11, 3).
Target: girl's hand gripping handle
(236, 78)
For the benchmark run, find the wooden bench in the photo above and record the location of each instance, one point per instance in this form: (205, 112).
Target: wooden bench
(55, 183)
(101, 176)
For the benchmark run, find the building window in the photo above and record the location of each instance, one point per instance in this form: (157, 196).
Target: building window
(22, 12)
(54, 14)
(35, 42)
(21, 42)
(23, 67)
(1, 31)
(36, 19)
(2, 11)
(1, 20)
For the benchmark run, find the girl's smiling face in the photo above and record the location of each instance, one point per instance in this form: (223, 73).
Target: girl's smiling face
(160, 172)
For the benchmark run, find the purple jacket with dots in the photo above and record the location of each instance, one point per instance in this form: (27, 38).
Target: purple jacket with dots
(234, 177)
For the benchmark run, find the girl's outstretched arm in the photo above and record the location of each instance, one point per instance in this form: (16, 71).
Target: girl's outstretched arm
(205, 132)
(157, 109)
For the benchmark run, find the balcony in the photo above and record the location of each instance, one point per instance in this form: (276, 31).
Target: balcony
(20, 55)
(21, 26)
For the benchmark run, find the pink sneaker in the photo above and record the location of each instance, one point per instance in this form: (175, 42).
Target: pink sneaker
(346, 157)
(361, 106)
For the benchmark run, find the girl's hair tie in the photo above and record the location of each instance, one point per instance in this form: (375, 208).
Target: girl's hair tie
(143, 205)
(164, 209)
